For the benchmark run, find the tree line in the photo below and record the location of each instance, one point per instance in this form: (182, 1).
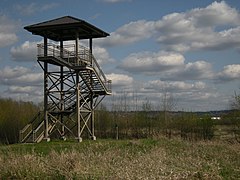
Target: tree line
(122, 121)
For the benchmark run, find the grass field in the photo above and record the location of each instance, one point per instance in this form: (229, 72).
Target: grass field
(159, 158)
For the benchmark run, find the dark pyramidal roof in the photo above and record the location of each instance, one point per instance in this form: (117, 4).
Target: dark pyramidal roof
(66, 28)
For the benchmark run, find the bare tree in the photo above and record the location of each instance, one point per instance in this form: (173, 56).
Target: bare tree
(146, 108)
(168, 105)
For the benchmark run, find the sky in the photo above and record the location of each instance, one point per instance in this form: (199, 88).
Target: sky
(188, 50)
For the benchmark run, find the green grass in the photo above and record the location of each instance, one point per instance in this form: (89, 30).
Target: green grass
(124, 159)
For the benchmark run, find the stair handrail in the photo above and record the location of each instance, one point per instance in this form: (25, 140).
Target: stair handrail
(101, 75)
(28, 129)
(25, 132)
(35, 135)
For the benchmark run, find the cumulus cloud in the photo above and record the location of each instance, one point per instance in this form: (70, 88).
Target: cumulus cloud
(197, 29)
(21, 83)
(229, 73)
(193, 71)
(217, 13)
(193, 95)
(129, 33)
(8, 29)
(150, 62)
(27, 93)
(215, 27)
(8, 72)
(175, 86)
(19, 76)
(170, 65)
(25, 52)
(33, 90)
(120, 79)
(102, 56)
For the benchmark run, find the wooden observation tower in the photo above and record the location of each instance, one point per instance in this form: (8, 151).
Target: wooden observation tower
(74, 83)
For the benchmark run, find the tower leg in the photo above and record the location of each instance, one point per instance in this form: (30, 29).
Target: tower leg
(92, 119)
(46, 136)
(78, 108)
(62, 102)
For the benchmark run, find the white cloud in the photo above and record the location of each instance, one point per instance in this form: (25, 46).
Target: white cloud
(24, 90)
(193, 71)
(217, 13)
(8, 28)
(25, 52)
(24, 93)
(129, 33)
(229, 73)
(174, 86)
(196, 29)
(8, 72)
(20, 76)
(102, 56)
(169, 65)
(21, 83)
(193, 96)
(33, 79)
(150, 62)
(120, 79)
(215, 27)
(190, 96)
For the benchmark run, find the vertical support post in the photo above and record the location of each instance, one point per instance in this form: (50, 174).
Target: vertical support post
(46, 136)
(78, 93)
(62, 102)
(92, 118)
(76, 49)
(90, 48)
(61, 49)
(78, 107)
(92, 94)
(62, 94)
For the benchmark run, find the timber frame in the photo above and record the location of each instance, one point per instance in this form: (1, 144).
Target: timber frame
(74, 83)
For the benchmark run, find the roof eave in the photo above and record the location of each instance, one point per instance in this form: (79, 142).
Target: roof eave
(80, 25)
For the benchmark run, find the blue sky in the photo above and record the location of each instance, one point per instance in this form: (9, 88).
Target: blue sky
(188, 50)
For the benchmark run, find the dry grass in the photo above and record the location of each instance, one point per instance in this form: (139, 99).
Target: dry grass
(130, 159)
